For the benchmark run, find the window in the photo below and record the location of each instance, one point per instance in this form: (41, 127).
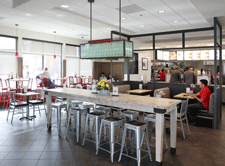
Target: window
(36, 54)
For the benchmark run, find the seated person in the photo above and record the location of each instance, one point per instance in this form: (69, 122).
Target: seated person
(102, 77)
(203, 101)
(45, 74)
(109, 78)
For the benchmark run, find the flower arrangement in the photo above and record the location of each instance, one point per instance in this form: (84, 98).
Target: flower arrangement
(193, 86)
(145, 83)
(161, 93)
(104, 85)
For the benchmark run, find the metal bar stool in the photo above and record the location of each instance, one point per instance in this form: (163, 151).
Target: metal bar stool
(111, 123)
(76, 111)
(150, 118)
(103, 109)
(96, 116)
(138, 128)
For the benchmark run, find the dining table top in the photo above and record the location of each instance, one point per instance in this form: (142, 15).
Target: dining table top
(27, 94)
(139, 91)
(183, 96)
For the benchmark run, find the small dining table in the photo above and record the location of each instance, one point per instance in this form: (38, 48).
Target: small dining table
(27, 95)
(183, 96)
(139, 91)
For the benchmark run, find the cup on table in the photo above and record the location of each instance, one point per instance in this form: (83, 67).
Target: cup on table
(191, 92)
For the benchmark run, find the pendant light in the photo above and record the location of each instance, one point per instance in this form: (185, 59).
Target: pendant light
(16, 54)
(54, 45)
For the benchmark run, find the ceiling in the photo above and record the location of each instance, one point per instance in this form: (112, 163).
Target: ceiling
(142, 16)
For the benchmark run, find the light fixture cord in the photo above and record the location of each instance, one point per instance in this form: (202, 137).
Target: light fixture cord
(90, 22)
(120, 18)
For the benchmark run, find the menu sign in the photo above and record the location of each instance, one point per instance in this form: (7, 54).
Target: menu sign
(173, 55)
(204, 55)
(196, 55)
(180, 55)
(166, 55)
(115, 49)
(188, 55)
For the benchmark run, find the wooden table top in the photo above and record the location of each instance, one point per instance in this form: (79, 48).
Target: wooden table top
(27, 94)
(183, 96)
(139, 91)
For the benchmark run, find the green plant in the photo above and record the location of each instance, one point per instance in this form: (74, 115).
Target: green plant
(104, 85)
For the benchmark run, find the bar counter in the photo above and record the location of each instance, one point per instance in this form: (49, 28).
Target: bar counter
(159, 106)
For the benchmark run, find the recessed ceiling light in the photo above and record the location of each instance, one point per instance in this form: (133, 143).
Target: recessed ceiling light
(142, 25)
(64, 6)
(161, 11)
(71, 25)
(28, 14)
(176, 21)
(124, 18)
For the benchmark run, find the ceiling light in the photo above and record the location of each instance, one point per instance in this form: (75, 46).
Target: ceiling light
(161, 11)
(142, 25)
(124, 18)
(28, 14)
(71, 25)
(100, 32)
(176, 21)
(64, 6)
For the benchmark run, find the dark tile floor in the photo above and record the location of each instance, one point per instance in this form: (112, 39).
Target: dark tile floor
(28, 143)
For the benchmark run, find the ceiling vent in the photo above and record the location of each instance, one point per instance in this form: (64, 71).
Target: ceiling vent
(131, 9)
(19, 2)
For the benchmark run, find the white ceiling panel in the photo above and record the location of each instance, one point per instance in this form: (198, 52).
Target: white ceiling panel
(3, 2)
(9, 10)
(115, 3)
(8, 4)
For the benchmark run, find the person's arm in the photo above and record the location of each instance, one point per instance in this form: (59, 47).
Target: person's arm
(200, 100)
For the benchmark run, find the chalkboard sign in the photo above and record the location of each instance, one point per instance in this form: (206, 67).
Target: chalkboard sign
(115, 49)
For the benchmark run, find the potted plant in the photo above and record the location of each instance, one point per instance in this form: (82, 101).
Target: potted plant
(145, 86)
(104, 87)
(193, 86)
(160, 94)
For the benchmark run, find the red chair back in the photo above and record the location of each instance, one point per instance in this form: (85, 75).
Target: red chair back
(63, 81)
(7, 83)
(90, 80)
(71, 80)
(44, 82)
(78, 80)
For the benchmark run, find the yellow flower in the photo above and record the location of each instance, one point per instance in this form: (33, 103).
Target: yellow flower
(102, 84)
(107, 85)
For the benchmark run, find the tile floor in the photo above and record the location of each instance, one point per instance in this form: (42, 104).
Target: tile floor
(28, 143)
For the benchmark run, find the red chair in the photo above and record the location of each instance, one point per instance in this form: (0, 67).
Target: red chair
(71, 81)
(90, 80)
(45, 83)
(7, 82)
(63, 81)
(39, 83)
(1, 86)
(3, 92)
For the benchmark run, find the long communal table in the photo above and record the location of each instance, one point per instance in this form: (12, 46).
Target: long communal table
(159, 106)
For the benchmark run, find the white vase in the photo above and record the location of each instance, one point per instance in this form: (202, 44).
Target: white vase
(104, 92)
(158, 95)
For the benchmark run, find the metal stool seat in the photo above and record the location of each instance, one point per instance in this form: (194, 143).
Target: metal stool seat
(130, 115)
(111, 123)
(103, 109)
(75, 103)
(150, 118)
(138, 128)
(76, 111)
(96, 116)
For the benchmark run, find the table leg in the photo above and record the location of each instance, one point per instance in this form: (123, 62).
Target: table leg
(27, 116)
(173, 131)
(49, 107)
(159, 138)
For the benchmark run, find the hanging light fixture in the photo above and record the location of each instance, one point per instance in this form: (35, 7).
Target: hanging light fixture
(16, 54)
(54, 45)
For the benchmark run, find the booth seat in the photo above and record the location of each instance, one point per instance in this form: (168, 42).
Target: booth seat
(165, 90)
(123, 88)
(207, 114)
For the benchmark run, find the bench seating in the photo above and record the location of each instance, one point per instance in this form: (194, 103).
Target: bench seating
(207, 114)
(123, 88)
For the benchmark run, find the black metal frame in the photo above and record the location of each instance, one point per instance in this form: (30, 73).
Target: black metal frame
(218, 92)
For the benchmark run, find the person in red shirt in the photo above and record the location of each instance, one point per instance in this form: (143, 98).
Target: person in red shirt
(162, 75)
(203, 101)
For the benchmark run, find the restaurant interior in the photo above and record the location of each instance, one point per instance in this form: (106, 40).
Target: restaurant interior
(81, 82)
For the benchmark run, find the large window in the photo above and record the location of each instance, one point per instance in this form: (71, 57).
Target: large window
(39, 55)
